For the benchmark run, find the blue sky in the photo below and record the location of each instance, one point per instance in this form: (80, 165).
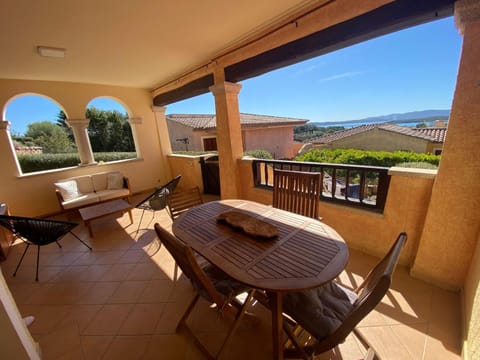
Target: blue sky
(410, 70)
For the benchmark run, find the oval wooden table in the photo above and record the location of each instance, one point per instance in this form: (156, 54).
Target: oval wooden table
(306, 254)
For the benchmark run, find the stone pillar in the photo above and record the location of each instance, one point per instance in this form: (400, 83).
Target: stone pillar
(452, 223)
(80, 133)
(134, 122)
(164, 141)
(8, 161)
(162, 129)
(229, 137)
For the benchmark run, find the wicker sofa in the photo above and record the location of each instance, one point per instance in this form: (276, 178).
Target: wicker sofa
(80, 191)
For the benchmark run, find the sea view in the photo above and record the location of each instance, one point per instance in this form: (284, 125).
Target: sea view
(348, 125)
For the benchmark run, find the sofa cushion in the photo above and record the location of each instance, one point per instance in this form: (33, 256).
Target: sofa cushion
(114, 181)
(80, 201)
(68, 189)
(112, 194)
(84, 184)
(99, 181)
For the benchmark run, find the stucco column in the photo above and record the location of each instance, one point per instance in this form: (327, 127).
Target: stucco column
(8, 161)
(229, 137)
(134, 122)
(452, 223)
(162, 129)
(80, 133)
(164, 140)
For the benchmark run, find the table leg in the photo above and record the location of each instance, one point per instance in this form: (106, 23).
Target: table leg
(277, 324)
(87, 223)
(130, 214)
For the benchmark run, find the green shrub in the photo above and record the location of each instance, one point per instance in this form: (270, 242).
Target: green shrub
(362, 157)
(40, 162)
(259, 154)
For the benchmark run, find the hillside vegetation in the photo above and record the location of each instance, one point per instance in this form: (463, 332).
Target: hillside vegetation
(373, 158)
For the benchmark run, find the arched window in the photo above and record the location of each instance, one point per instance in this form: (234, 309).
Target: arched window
(109, 130)
(41, 139)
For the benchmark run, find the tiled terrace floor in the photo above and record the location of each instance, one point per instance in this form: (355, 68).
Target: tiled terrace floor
(121, 302)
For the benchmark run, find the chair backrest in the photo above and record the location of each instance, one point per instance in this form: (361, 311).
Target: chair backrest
(185, 259)
(181, 201)
(157, 200)
(172, 184)
(37, 231)
(297, 192)
(369, 295)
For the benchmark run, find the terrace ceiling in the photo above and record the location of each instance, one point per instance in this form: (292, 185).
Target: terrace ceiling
(173, 47)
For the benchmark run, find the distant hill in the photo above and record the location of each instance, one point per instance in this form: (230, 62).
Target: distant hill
(413, 116)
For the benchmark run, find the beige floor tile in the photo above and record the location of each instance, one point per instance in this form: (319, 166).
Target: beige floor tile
(146, 271)
(170, 317)
(166, 347)
(142, 320)
(64, 343)
(157, 291)
(386, 343)
(127, 347)
(118, 272)
(108, 320)
(413, 337)
(60, 293)
(99, 293)
(94, 347)
(437, 349)
(128, 292)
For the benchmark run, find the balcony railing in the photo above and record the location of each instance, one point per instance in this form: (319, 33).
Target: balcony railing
(351, 185)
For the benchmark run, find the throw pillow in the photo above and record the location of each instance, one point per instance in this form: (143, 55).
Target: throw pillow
(68, 189)
(114, 181)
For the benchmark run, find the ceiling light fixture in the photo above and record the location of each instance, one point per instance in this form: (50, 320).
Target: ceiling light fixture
(51, 51)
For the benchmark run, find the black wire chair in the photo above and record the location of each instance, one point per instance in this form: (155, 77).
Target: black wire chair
(36, 231)
(158, 199)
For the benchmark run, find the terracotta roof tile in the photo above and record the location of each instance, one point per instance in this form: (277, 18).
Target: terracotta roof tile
(208, 121)
(430, 134)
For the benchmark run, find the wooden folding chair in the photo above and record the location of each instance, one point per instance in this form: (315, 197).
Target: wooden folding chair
(297, 192)
(317, 320)
(210, 283)
(181, 201)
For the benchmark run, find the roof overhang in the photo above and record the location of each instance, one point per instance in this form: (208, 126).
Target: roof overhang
(385, 19)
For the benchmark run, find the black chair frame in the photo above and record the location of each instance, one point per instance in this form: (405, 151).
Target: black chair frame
(39, 232)
(159, 196)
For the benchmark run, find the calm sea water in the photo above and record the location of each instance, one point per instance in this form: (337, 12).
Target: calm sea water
(348, 125)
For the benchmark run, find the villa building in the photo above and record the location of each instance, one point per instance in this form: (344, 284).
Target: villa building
(385, 137)
(198, 132)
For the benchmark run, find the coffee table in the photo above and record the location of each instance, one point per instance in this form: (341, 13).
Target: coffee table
(103, 209)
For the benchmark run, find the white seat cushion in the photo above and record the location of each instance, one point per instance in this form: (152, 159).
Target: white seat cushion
(82, 200)
(112, 194)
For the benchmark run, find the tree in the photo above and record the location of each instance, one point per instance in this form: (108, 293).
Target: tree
(61, 121)
(51, 137)
(109, 131)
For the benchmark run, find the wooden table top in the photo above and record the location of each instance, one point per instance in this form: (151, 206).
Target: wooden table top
(306, 254)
